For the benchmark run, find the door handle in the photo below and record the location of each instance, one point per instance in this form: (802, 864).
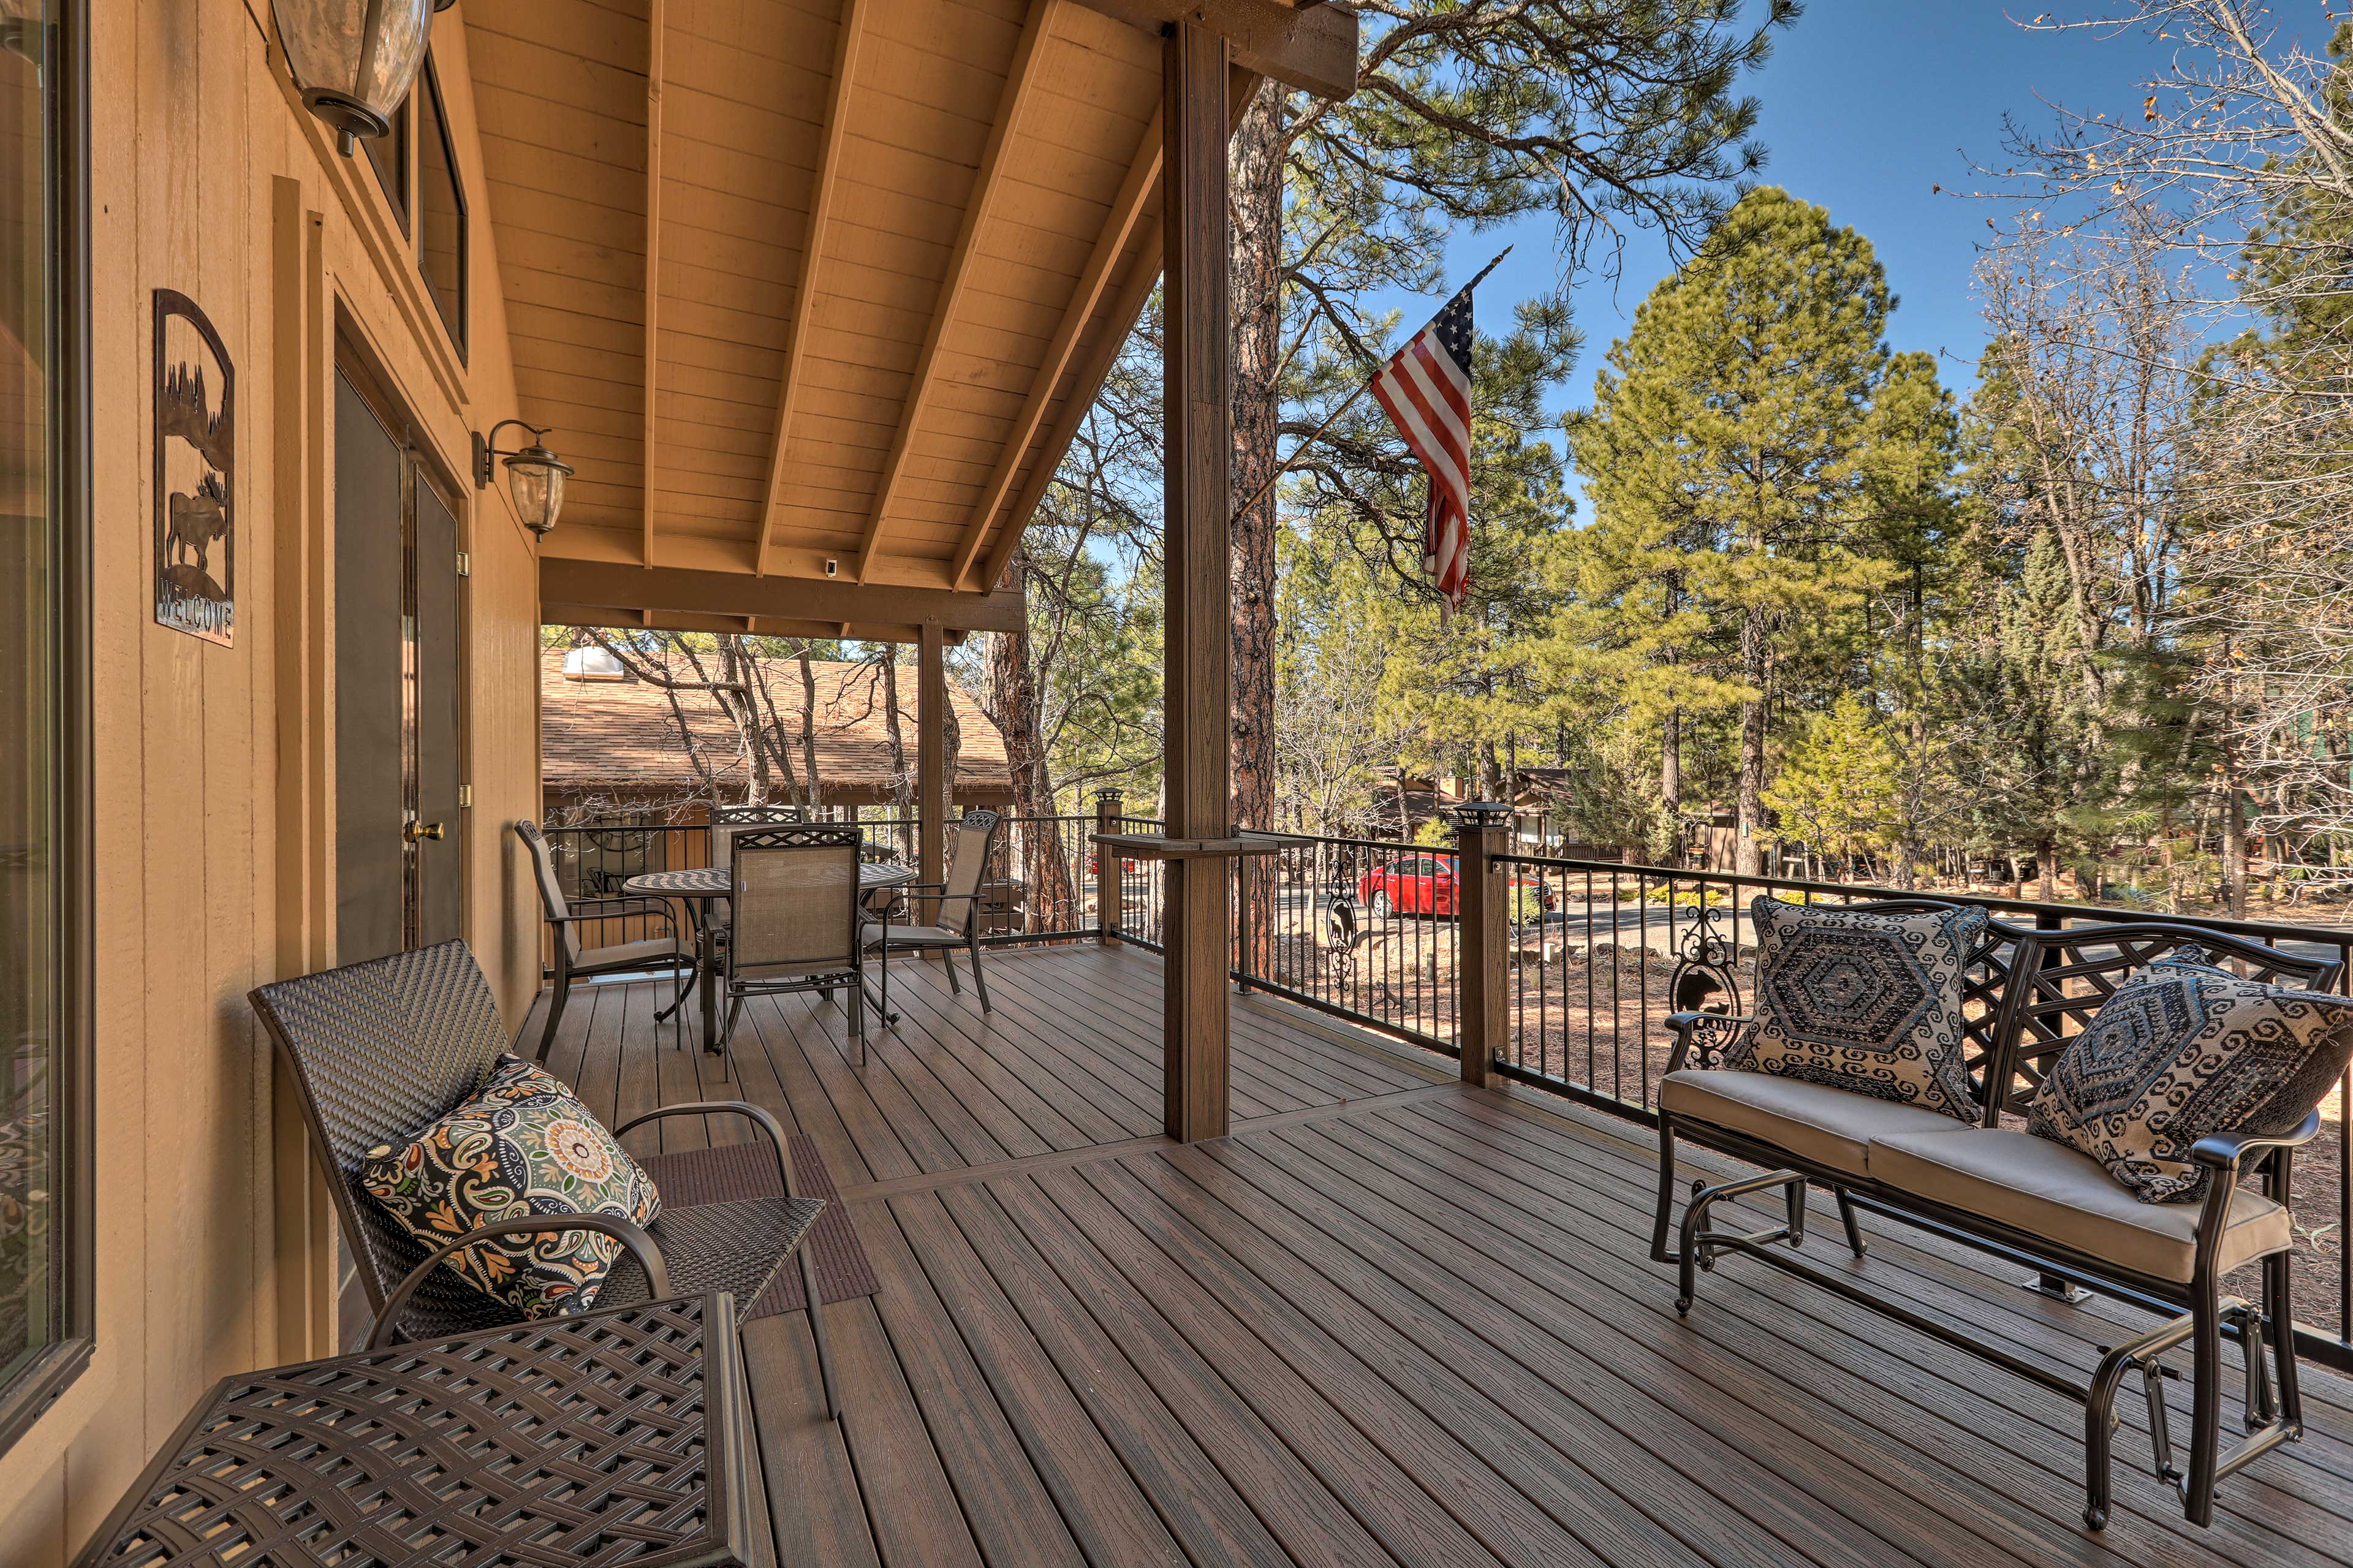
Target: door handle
(413, 831)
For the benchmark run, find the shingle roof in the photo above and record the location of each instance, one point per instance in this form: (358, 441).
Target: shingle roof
(621, 734)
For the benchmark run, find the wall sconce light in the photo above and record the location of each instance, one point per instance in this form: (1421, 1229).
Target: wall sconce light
(353, 60)
(534, 476)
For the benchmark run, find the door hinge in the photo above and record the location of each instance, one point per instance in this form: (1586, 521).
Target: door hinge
(465, 564)
(465, 796)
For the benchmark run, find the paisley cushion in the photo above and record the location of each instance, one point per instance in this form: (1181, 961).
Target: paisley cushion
(523, 1145)
(1865, 1002)
(2183, 1049)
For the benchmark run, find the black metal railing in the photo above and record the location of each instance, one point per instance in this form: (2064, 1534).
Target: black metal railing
(1360, 927)
(1143, 886)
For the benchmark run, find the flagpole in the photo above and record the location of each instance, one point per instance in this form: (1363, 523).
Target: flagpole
(1316, 435)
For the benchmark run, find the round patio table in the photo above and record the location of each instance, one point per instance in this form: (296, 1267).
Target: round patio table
(702, 884)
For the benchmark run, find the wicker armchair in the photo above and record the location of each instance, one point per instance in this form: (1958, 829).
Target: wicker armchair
(955, 909)
(381, 1050)
(573, 961)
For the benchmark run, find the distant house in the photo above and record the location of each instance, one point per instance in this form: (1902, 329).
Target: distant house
(610, 746)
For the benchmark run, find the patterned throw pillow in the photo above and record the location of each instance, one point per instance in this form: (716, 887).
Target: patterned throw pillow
(1863, 1002)
(523, 1145)
(2185, 1048)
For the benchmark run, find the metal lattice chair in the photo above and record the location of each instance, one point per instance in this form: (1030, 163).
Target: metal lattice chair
(955, 909)
(572, 962)
(379, 1051)
(795, 890)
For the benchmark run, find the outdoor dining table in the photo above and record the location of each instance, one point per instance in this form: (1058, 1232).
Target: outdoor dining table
(701, 885)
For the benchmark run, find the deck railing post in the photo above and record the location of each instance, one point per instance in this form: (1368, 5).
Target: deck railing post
(1109, 894)
(1482, 915)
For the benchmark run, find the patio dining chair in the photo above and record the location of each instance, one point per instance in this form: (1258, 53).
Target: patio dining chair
(795, 891)
(573, 961)
(954, 907)
(382, 1050)
(726, 823)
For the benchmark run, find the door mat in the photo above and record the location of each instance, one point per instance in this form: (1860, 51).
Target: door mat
(734, 1172)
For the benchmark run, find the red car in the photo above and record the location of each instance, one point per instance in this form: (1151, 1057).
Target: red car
(1410, 885)
(1424, 885)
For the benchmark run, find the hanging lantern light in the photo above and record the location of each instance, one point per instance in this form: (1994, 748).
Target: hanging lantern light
(534, 476)
(353, 60)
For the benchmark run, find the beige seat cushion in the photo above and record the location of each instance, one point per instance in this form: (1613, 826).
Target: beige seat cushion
(872, 932)
(2048, 1190)
(1828, 1126)
(652, 950)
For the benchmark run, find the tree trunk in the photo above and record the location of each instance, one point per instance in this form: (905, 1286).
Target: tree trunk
(1255, 260)
(2234, 837)
(1670, 781)
(2046, 868)
(809, 729)
(902, 777)
(1756, 670)
(1052, 899)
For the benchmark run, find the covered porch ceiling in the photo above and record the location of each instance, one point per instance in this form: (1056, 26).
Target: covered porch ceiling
(821, 289)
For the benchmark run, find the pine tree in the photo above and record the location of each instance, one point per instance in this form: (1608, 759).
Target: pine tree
(1609, 114)
(2034, 769)
(1837, 787)
(1753, 421)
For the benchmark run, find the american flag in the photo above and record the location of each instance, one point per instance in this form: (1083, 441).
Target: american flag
(1426, 387)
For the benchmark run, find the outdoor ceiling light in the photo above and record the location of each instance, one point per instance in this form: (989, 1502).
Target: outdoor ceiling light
(353, 60)
(534, 476)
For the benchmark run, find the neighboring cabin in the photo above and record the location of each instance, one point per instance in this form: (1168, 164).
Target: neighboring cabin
(610, 746)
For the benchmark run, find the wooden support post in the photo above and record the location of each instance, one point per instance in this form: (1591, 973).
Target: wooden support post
(1483, 905)
(1111, 896)
(932, 748)
(1197, 681)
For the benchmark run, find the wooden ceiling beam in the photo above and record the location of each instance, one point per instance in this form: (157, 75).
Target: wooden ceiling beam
(654, 67)
(849, 37)
(1111, 244)
(559, 614)
(1312, 47)
(1125, 307)
(575, 591)
(1020, 92)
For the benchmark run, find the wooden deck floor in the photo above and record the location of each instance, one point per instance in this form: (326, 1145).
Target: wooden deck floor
(1389, 1320)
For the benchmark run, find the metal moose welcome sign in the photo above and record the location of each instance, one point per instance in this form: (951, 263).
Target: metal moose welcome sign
(195, 467)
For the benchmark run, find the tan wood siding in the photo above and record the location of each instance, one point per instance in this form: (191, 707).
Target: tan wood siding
(208, 1237)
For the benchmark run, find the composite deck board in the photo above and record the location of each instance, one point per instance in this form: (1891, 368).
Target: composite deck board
(1388, 1321)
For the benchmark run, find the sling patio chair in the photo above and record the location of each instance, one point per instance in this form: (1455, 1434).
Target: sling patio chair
(955, 910)
(726, 823)
(796, 921)
(573, 961)
(380, 1051)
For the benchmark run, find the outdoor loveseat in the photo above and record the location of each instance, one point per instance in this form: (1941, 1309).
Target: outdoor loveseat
(1997, 1188)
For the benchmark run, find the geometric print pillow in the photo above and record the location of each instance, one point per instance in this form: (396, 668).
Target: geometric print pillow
(523, 1145)
(1863, 1002)
(2184, 1049)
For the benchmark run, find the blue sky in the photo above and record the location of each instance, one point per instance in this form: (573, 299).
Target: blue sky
(1866, 105)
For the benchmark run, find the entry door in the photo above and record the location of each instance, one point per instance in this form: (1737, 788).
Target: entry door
(400, 858)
